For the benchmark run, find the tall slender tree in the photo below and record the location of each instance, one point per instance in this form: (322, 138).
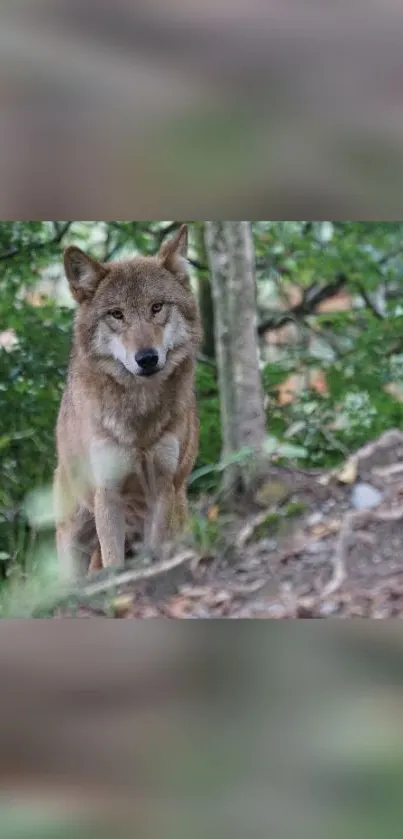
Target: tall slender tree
(232, 264)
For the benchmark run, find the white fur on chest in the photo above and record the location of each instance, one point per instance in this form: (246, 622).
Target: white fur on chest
(112, 463)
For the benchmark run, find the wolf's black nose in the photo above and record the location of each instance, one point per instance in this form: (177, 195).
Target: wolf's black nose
(147, 360)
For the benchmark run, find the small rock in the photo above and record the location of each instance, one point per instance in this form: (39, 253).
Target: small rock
(268, 544)
(314, 548)
(365, 496)
(313, 519)
(270, 493)
(328, 608)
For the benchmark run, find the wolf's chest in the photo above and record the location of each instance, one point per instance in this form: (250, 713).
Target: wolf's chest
(123, 433)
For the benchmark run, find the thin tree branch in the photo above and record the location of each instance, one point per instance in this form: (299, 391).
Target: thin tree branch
(312, 298)
(112, 251)
(37, 246)
(391, 255)
(367, 300)
(325, 336)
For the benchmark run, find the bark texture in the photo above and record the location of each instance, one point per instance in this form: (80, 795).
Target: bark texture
(232, 264)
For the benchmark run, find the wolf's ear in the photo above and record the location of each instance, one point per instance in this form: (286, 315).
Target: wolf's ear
(83, 273)
(173, 254)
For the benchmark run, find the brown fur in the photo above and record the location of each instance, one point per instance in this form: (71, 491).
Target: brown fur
(126, 443)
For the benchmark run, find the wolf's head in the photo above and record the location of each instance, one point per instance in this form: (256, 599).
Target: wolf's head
(136, 316)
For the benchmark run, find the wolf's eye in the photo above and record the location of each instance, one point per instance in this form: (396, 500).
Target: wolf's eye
(116, 313)
(156, 307)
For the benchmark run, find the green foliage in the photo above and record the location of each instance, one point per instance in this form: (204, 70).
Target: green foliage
(356, 410)
(206, 534)
(31, 381)
(357, 350)
(209, 416)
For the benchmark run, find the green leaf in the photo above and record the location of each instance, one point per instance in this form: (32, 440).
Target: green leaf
(292, 452)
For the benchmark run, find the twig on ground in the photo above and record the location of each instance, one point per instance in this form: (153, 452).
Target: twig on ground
(243, 590)
(393, 437)
(132, 576)
(104, 581)
(248, 530)
(388, 471)
(362, 517)
(339, 572)
(389, 515)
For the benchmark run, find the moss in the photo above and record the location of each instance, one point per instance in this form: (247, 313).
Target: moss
(275, 523)
(295, 508)
(270, 493)
(210, 423)
(270, 526)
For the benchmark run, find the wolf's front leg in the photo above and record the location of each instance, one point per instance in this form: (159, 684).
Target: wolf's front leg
(161, 465)
(110, 525)
(168, 518)
(160, 524)
(75, 530)
(109, 465)
(74, 547)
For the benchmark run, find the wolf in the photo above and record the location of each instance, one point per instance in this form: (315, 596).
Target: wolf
(127, 430)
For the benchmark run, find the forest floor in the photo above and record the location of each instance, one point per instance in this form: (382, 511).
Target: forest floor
(309, 545)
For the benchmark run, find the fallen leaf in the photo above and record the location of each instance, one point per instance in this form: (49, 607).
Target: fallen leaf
(179, 607)
(122, 605)
(212, 513)
(289, 389)
(318, 382)
(326, 528)
(348, 473)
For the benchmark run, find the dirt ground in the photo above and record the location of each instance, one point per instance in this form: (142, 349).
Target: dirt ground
(301, 548)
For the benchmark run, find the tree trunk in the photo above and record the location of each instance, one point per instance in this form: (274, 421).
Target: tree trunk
(204, 293)
(232, 264)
